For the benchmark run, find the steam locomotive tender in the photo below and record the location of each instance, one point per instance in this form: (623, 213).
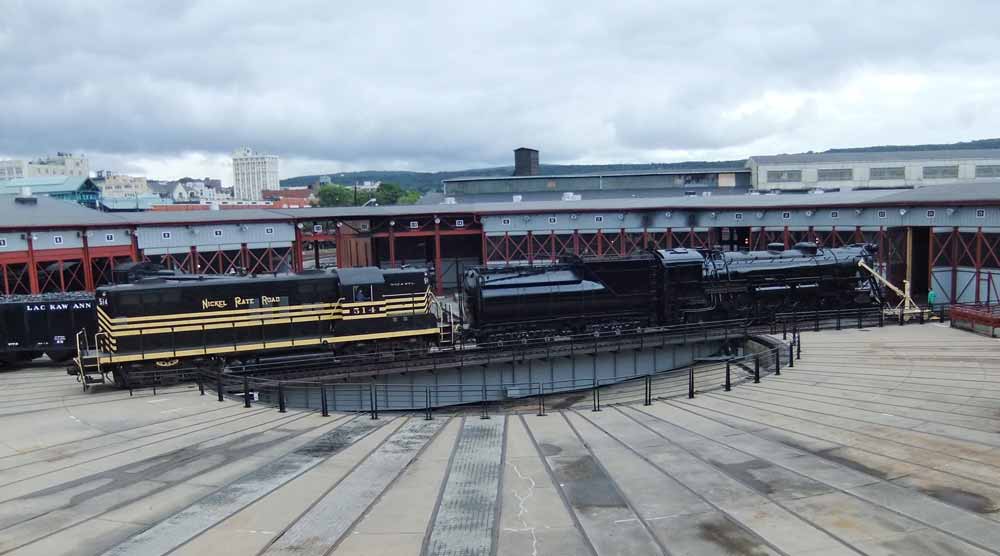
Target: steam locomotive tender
(164, 323)
(663, 287)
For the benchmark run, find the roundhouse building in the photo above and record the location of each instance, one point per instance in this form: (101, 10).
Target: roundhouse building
(945, 237)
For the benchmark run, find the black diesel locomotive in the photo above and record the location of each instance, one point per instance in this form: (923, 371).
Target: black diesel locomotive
(664, 287)
(162, 323)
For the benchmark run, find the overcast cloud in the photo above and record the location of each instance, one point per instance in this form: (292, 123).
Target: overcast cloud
(170, 88)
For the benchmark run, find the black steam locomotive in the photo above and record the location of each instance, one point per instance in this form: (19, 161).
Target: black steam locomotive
(664, 287)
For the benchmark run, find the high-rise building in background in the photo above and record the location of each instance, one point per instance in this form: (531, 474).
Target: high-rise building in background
(62, 164)
(253, 172)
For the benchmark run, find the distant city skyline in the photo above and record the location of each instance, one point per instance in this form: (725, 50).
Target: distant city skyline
(451, 87)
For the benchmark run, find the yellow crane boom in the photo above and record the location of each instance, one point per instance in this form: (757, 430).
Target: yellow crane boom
(904, 294)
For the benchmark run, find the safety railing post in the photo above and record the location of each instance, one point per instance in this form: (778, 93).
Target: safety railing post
(838, 318)
(881, 317)
(485, 410)
(201, 385)
(541, 401)
(427, 403)
(791, 354)
(246, 392)
(597, 396)
(901, 314)
(281, 397)
(817, 321)
(859, 320)
(777, 361)
(690, 382)
(784, 329)
(323, 404)
(729, 384)
(756, 369)
(373, 393)
(649, 391)
(218, 385)
(798, 347)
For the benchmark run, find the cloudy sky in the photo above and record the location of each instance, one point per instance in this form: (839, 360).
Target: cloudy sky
(169, 88)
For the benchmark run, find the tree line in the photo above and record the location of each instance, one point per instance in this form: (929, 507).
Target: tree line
(335, 195)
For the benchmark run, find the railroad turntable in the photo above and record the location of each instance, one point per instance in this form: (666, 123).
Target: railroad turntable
(878, 441)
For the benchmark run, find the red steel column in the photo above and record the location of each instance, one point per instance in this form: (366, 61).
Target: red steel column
(194, 260)
(552, 246)
(954, 264)
(245, 257)
(645, 237)
(931, 239)
(482, 235)
(392, 243)
(134, 246)
(531, 248)
(340, 244)
(438, 273)
(784, 237)
(621, 242)
(32, 270)
(88, 268)
(576, 242)
(979, 258)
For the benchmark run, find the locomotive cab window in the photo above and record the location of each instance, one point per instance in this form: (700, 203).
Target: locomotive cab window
(363, 293)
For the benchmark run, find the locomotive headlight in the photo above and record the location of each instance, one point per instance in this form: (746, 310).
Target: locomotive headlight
(437, 220)
(902, 212)
(668, 214)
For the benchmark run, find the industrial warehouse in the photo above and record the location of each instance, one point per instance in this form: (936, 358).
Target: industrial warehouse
(937, 232)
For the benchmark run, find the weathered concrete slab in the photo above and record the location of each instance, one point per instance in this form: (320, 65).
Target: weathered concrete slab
(610, 523)
(465, 519)
(534, 519)
(398, 521)
(195, 519)
(326, 522)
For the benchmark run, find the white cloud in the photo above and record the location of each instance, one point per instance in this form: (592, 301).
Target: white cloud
(448, 85)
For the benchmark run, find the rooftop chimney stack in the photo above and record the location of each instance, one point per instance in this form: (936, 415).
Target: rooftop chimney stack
(525, 162)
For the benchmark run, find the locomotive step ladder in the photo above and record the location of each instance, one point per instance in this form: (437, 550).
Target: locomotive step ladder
(88, 363)
(445, 319)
